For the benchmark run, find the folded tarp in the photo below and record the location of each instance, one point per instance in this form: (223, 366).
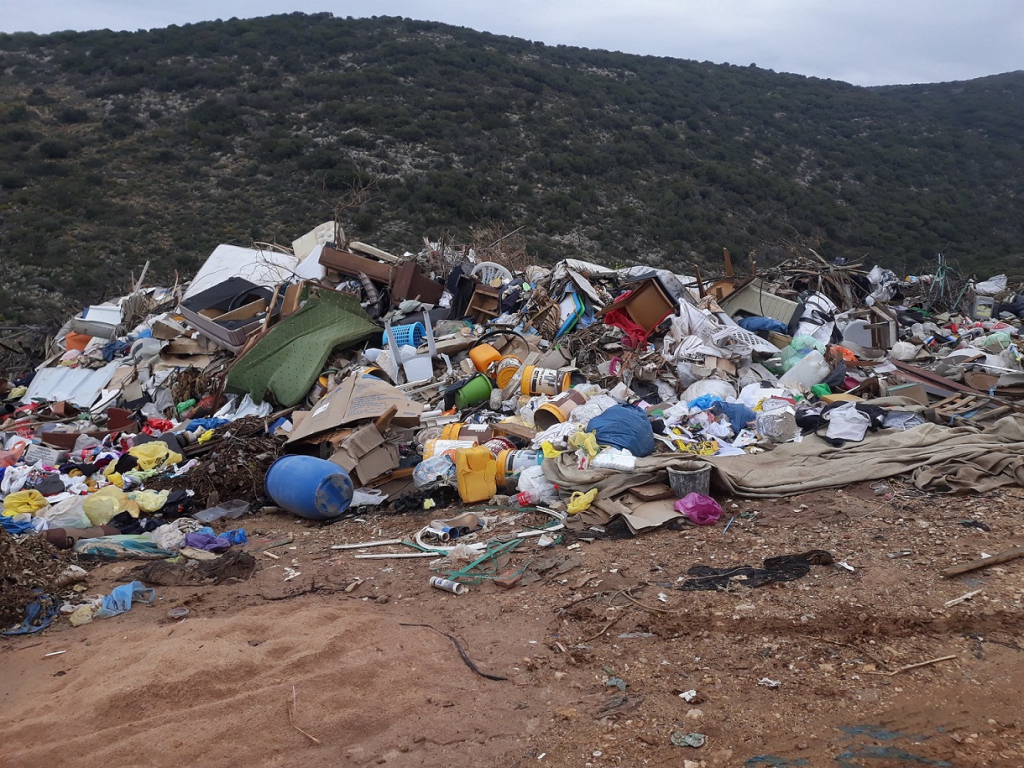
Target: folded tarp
(940, 459)
(285, 363)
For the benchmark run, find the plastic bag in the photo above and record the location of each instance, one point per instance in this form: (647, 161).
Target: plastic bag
(101, 507)
(66, 514)
(434, 472)
(533, 481)
(625, 426)
(992, 286)
(700, 509)
(847, 423)
(120, 599)
(153, 455)
(580, 501)
(361, 497)
(150, 501)
(778, 425)
(24, 502)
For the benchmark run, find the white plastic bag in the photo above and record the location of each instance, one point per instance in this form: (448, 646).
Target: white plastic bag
(66, 514)
(992, 286)
(362, 497)
(541, 489)
(847, 423)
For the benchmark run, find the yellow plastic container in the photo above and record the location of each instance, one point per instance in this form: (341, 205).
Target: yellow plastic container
(483, 355)
(474, 470)
(434, 448)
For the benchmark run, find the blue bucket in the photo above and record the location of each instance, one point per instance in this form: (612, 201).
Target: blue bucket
(406, 335)
(309, 487)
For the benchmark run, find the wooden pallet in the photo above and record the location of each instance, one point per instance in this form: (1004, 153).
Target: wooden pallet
(973, 409)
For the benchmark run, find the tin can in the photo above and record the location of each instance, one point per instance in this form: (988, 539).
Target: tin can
(505, 369)
(544, 381)
(447, 585)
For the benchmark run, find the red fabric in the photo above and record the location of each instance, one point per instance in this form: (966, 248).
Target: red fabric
(636, 333)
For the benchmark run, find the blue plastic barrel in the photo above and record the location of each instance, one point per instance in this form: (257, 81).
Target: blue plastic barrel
(309, 487)
(406, 335)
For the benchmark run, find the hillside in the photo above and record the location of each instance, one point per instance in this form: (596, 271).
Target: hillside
(116, 148)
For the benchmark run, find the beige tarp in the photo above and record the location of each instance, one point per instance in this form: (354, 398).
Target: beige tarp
(960, 459)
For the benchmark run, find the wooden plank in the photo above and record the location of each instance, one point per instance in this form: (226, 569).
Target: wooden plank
(984, 562)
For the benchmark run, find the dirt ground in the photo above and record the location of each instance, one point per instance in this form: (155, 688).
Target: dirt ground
(270, 672)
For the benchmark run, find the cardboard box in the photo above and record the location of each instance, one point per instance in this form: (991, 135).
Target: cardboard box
(357, 398)
(166, 328)
(50, 456)
(186, 346)
(913, 391)
(720, 364)
(364, 454)
(647, 305)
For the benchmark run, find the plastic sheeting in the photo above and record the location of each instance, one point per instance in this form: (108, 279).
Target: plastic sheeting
(78, 386)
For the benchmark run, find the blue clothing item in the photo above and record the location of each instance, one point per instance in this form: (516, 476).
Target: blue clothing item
(114, 349)
(767, 324)
(15, 527)
(207, 423)
(39, 614)
(737, 413)
(120, 599)
(236, 536)
(624, 426)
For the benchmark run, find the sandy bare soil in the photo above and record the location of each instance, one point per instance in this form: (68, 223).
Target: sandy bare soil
(274, 673)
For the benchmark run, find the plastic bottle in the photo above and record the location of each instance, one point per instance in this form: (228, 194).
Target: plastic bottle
(811, 370)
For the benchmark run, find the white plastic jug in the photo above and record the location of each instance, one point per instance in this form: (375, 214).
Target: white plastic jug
(811, 370)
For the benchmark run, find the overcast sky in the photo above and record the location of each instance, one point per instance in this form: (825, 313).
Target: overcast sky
(867, 42)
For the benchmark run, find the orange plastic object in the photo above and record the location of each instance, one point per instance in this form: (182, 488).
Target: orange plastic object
(847, 355)
(77, 341)
(483, 355)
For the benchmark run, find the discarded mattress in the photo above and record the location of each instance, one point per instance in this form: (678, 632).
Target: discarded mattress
(286, 362)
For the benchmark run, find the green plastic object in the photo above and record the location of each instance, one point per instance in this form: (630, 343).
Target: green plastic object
(284, 364)
(820, 390)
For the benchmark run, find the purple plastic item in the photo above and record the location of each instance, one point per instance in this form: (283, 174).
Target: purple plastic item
(700, 509)
(207, 542)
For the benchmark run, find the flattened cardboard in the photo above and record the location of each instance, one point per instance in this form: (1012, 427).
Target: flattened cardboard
(355, 399)
(913, 391)
(167, 328)
(187, 346)
(377, 462)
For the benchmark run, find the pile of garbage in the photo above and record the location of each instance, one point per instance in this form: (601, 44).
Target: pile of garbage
(333, 377)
